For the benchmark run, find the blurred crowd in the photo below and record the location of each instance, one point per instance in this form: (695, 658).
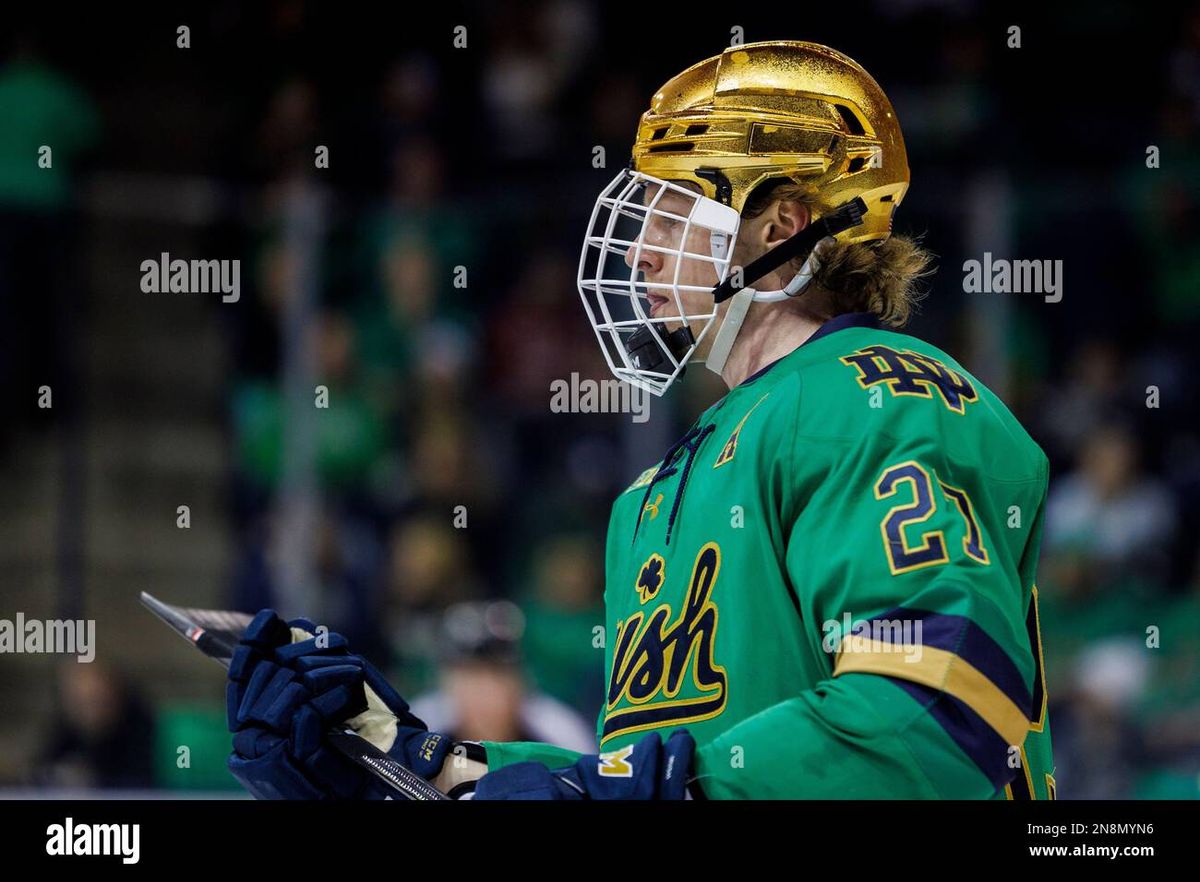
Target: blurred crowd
(457, 524)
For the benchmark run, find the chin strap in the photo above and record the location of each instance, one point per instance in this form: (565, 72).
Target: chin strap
(727, 333)
(843, 218)
(739, 306)
(801, 280)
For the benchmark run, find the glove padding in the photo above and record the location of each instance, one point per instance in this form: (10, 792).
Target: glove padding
(648, 769)
(283, 696)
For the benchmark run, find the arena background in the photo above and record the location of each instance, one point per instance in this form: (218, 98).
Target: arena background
(481, 157)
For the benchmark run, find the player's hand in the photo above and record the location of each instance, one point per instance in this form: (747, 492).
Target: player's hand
(648, 769)
(288, 685)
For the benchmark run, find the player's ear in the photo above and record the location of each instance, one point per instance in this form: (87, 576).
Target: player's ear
(782, 220)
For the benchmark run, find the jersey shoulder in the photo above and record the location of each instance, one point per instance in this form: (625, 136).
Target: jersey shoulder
(863, 381)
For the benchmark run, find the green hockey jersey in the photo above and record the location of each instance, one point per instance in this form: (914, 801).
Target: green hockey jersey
(830, 582)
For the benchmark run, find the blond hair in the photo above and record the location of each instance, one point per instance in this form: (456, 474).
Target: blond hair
(878, 277)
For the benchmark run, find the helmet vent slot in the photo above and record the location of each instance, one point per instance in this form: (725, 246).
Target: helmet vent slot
(676, 147)
(853, 125)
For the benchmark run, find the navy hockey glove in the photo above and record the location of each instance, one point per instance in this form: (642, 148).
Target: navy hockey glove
(283, 696)
(648, 769)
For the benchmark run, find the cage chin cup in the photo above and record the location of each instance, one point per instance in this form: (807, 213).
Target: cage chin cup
(647, 353)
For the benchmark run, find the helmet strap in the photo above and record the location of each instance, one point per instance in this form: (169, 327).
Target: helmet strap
(842, 218)
(802, 279)
(722, 345)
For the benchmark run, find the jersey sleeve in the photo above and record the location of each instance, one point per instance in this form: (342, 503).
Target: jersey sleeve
(505, 753)
(911, 574)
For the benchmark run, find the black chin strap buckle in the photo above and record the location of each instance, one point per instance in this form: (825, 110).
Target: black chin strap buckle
(646, 352)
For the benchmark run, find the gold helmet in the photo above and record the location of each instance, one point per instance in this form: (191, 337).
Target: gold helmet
(755, 114)
(781, 109)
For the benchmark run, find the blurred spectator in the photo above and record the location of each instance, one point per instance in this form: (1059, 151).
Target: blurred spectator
(42, 107)
(408, 99)
(563, 608)
(346, 560)
(351, 432)
(531, 59)
(1074, 410)
(428, 569)
(537, 332)
(1169, 708)
(414, 251)
(287, 134)
(1108, 518)
(102, 734)
(483, 693)
(1165, 204)
(449, 468)
(1097, 743)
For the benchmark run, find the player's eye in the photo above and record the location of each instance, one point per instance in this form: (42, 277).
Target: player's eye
(667, 223)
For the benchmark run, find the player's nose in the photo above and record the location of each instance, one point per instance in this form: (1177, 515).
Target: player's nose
(648, 262)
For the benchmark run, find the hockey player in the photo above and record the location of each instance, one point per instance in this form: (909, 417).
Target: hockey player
(826, 587)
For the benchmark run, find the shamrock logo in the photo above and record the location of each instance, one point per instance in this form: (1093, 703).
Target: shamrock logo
(650, 579)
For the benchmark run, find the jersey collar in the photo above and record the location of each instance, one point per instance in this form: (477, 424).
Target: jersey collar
(837, 323)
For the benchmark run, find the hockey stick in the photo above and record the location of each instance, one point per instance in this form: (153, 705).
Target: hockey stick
(216, 632)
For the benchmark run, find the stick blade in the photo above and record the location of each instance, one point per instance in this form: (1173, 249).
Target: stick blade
(214, 632)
